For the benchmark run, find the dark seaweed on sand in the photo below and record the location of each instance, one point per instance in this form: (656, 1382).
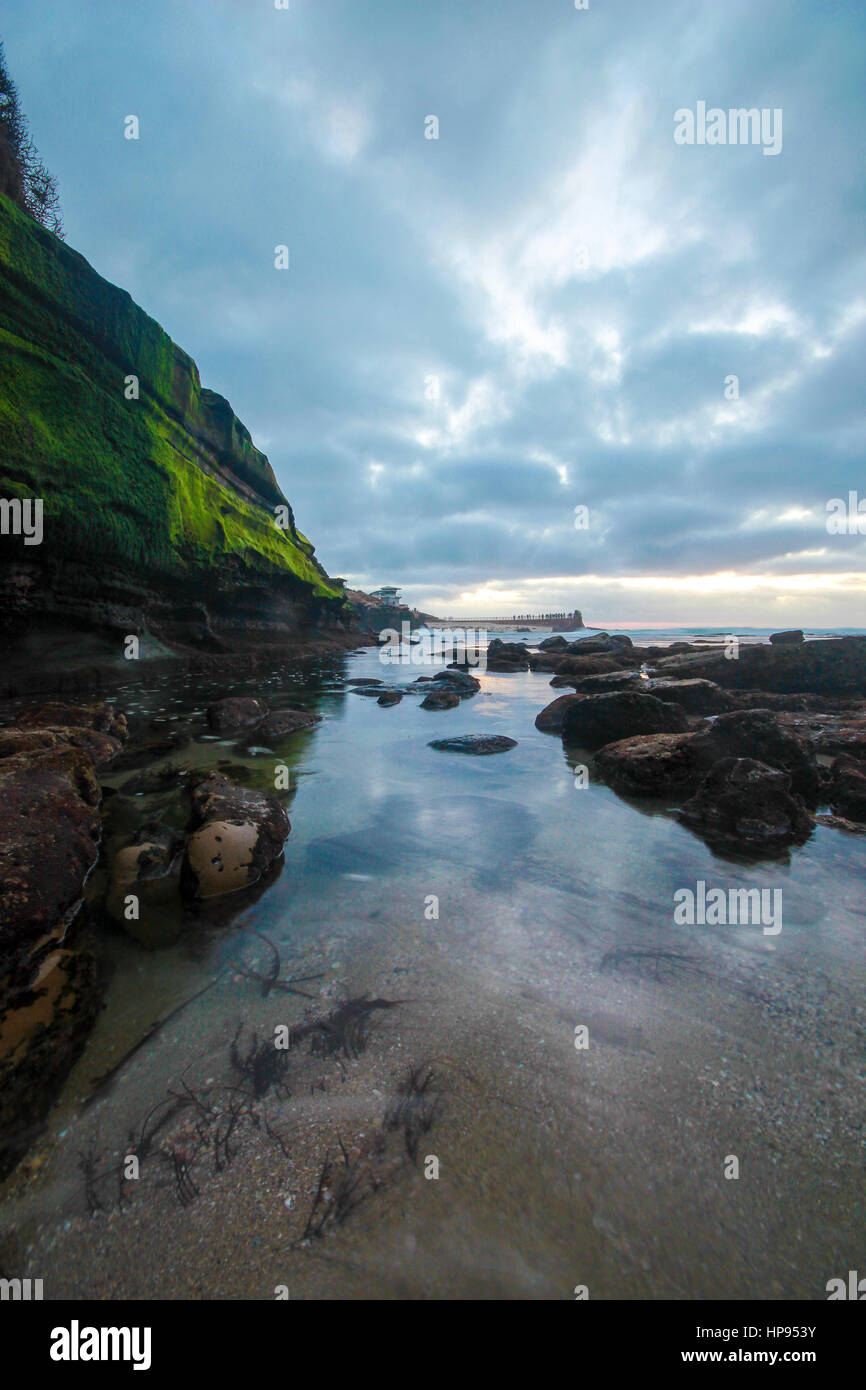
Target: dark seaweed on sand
(413, 1109)
(655, 963)
(345, 1031)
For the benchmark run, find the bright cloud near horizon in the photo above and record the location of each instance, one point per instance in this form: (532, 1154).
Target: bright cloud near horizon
(537, 311)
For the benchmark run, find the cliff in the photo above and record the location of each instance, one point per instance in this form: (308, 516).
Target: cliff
(158, 512)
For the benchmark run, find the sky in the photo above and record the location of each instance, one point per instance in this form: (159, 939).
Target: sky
(540, 310)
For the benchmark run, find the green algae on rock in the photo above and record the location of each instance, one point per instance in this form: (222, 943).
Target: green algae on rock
(159, 514)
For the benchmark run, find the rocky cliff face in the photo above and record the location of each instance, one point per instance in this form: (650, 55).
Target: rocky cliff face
(158, 513)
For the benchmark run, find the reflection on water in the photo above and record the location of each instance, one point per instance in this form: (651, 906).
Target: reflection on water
(553, 910)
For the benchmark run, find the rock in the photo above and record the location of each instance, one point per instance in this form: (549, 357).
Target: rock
(594, 720)
(102, 748)
(237, 835)
(600, 645)
(460, 680)
(390, 697)
(830, 733)
(364, 681)
(49, 841)
(235, 712)
(552, 717)
(840, 823)
(553, 644)
(158, 779)
(478, 745)
(649, 765)
(695, 696)
(99, 715)
(745, 802)
(42, 1032)
(756, 734)
(794, 635)
(282, 722)
(441, 699)
(607, 684)
(582, 666)
(830, 666)
(150, 869)
(848, 788)
(507, 656)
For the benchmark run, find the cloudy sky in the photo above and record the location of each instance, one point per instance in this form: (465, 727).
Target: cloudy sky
(536, 311)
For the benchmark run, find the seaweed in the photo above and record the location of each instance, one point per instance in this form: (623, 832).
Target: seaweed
(660, 964)
(263, 1066)
(346, 1030)
(413, 1109)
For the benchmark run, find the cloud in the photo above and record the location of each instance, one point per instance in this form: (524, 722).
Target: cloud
(580, 287)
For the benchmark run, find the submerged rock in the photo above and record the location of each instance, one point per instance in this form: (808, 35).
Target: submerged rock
(235, 712)
(237, 835)
(459, 679)
(594, 720)
(42, 1032)
(150, 870)
(747, 803)
(390, 697)
(282, 722)
(479, 745)
(441, 699)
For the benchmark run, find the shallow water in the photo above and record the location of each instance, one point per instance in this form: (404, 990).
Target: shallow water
(559, 1166)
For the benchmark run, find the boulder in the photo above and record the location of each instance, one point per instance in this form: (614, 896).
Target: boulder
(102, 748)
(49, 841)
(282, 722)
(695, 696)
(602, 643)
(607, 683)
(390, 697)
(792, 636)
(829, 666)
(42, 1032)
(551, 718)
(507, 656)
(583, 666)
(441, 699)
(649, 765)
(745, 802)
(365, 680)
(757, 734)
(460, 680)
(848, 788)
(553, 644)
(594, 720)
(98, 715)
(235, 712)
(236, 834)
(150, 869)
(476, 745)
